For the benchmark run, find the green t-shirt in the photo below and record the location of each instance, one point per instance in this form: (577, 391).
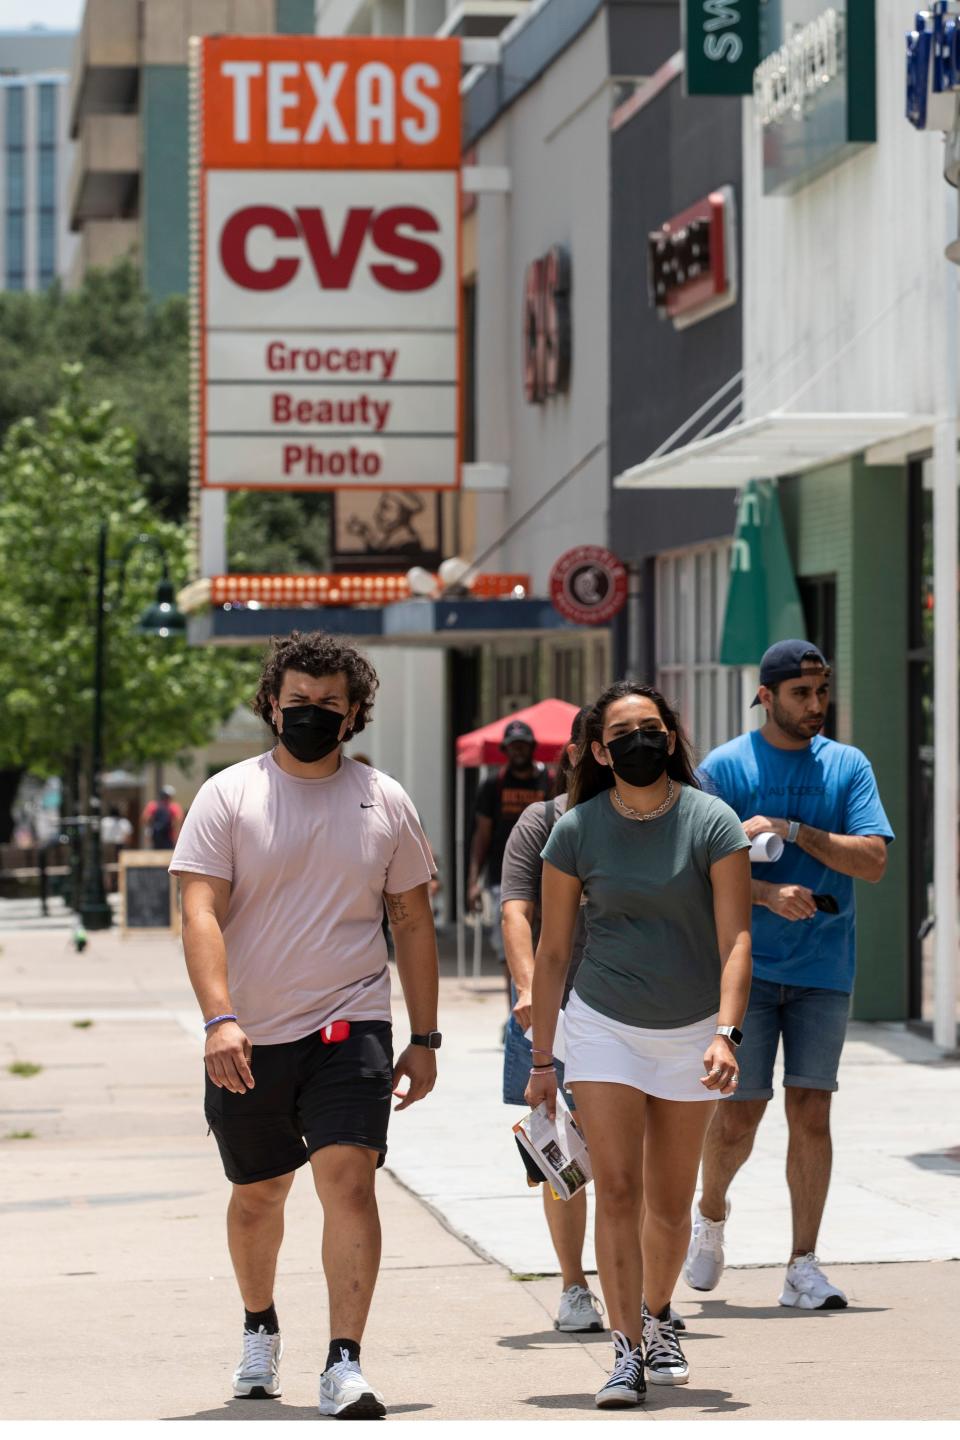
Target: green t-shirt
(651, 957)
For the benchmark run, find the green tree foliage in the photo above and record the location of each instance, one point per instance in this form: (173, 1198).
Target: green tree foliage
(60, 477)
(134, 353)
(282, 534)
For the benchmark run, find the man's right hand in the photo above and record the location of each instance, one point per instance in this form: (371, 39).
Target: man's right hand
(790, 902)
(227, 1058)
(475, 895)
(521, 1010)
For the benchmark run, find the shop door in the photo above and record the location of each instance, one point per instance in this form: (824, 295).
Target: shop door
(818, 596)
(920, 755)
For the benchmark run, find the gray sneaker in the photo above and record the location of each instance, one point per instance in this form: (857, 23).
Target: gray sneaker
(704, 1263)
(579, 1311)
(347, 1395)
(257, 1377)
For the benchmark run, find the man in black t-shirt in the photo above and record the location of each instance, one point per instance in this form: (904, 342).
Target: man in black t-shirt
(500, 803)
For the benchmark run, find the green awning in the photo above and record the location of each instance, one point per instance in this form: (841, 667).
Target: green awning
(763, 603)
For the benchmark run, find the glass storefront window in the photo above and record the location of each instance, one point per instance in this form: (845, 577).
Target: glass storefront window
(691, 592)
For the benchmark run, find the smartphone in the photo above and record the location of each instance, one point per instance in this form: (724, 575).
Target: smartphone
(826, 903)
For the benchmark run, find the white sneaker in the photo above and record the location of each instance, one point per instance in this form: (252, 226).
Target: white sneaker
(626, 1385)
(665, 1361)
(808, 1288)
(257, 1377)
(704, 1263)
(345, 1393)
(579, 1310)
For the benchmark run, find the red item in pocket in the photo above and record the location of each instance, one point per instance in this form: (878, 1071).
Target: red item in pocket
(336, 1032)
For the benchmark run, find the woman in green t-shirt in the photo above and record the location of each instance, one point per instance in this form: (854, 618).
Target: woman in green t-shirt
(664, 979)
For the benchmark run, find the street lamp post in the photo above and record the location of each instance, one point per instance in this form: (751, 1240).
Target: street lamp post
(163, 619)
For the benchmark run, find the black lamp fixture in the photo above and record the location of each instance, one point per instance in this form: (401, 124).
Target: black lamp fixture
(162, 619)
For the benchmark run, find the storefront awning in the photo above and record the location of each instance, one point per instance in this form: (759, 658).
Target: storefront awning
(780, 444)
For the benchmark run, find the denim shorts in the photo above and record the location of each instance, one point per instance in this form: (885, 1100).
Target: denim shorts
(517, 1059)
(813, 1024)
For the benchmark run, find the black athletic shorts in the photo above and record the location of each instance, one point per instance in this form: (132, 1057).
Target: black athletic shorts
(306, 1095)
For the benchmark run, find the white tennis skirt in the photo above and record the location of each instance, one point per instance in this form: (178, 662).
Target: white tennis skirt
(666, 1064)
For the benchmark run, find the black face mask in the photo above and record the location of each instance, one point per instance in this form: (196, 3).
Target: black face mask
(639, 758)
(310, 732)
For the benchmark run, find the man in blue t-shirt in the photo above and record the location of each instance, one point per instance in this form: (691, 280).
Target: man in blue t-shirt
(821, 799)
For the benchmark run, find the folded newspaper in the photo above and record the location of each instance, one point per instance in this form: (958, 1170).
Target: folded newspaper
(554, 1148)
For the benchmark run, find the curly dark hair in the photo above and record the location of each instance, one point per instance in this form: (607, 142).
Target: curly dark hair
(317, 654)
(589, 779)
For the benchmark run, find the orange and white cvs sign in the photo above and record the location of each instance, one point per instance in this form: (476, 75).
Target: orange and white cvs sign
(328, 294)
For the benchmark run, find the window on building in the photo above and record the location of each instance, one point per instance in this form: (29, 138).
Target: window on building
(47, 118)
(514, 681)
(14, 118)
(46, 248)
(15, 268)
(691, 592)
(15, 181)
(568, 675)
(47, 179)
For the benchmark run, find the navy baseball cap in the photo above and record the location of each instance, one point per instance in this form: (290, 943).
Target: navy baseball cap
(517, 730)
(785, 661)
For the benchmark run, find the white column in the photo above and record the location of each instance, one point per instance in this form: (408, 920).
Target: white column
(213, 532)
(945, 737)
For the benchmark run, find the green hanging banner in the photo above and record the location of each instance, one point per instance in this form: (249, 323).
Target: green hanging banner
(763, 603)
(721, 43)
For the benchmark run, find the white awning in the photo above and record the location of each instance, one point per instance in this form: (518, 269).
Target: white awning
(780, 444)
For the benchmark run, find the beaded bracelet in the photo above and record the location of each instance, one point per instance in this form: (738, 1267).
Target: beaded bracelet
(216, 1020)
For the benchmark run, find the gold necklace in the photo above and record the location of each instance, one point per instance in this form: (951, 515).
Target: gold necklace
(648, 814)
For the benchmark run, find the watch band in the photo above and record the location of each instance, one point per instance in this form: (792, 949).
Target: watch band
(432, 1040)
(793, 830)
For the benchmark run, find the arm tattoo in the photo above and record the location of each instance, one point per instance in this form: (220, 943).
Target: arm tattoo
(396, 909)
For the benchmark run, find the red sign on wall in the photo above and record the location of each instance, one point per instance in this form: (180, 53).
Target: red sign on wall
(588, 585)
(547, 341)
(692, 260)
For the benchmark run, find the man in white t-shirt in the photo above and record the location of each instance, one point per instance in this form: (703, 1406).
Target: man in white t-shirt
(285, 864)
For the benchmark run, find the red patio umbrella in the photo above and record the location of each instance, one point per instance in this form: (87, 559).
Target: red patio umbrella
(550, 721)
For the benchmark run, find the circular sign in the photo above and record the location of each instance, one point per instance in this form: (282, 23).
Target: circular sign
(588, 585)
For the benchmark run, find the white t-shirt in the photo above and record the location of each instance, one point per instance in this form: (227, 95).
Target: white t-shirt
(308, 862)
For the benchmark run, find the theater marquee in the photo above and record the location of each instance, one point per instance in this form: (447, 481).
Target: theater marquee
(327, 285)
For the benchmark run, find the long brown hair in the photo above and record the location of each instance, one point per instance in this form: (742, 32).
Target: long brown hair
(590, 779)
(561, 781)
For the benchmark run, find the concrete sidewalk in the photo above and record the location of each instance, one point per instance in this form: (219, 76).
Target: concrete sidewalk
(896, 1124)
(115, 1257)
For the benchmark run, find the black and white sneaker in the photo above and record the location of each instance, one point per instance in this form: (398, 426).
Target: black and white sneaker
(345, 1393)
(257, 1377)
(626, 1385)
(666, 1362)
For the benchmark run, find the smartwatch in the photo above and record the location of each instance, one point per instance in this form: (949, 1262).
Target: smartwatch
(731, 1033)
(432, 1040)
(793, 830)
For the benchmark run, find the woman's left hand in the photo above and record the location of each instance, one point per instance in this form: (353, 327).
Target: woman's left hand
(720, 1063)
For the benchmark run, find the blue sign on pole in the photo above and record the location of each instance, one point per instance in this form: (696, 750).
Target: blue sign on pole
(933, 67)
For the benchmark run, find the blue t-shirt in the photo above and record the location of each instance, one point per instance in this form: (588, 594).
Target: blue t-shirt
(830, 787)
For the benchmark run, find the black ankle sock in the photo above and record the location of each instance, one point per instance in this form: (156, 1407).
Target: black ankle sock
(267, 1318)
(342, 1350)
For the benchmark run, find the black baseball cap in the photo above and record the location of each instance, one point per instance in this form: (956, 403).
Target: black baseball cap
(517, 730)
(785, 661)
